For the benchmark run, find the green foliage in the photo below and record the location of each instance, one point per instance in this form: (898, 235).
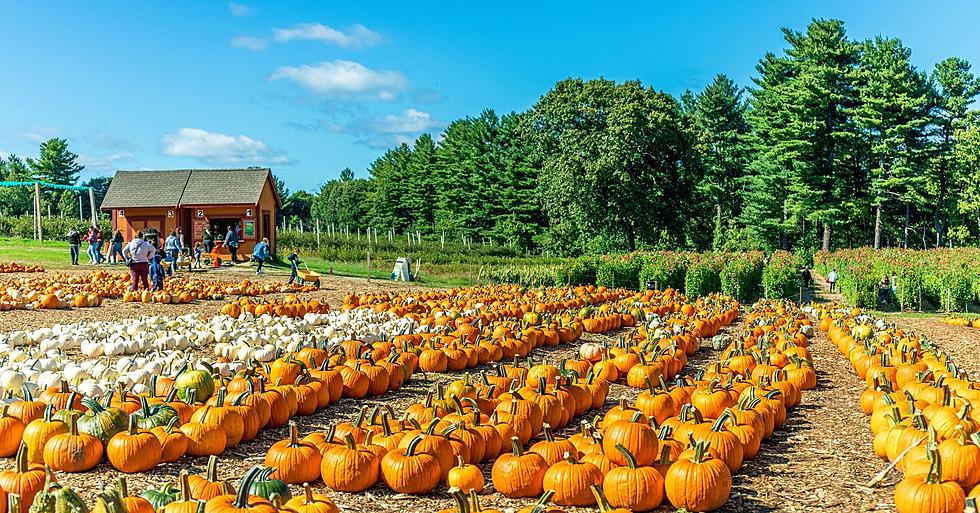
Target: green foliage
(741, 275)
(781, 275)
(618, 270)
(54, 228)
(665, 269)
(703, 277)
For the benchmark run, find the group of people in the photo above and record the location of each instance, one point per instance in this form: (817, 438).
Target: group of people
(98, 251)
(145, 259)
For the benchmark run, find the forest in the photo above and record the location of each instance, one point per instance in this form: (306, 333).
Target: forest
(835, 143)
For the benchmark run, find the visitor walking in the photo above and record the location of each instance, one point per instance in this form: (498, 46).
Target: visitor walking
(171, 246)
(157, 273)
(832, 279)
(93, 245)
(208, 240)
(260, 254)
(140, 253)
(807, 277)
(231, 240)
(115, 248)
(74, 243)
(198, 252)
(293, 266)
(884, 288)
(180, 241)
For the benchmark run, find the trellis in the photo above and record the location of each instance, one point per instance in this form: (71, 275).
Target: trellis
(37, 184)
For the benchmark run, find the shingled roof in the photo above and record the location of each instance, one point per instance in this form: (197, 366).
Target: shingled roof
(174, 188)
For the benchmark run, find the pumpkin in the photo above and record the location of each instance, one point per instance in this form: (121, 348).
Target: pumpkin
(199, 380)
(130, 503)
(11, 432)
(25, 479)
(572, 481)
(295, 461)
(27, 409)
(56, 498)
(409, 470)
(73, 451)
(208, 486)
(101, 422)
(37, 434)
(267, 487)
(204, 439)
(640, 439)
(173, 442)
(711, 401)
(149, 417)
(633, 487)
(929, 493)
(699, 483)
(161, 496)
(519, 474)
(466, 477)
(542, 505)
(551, 449)
(241, 502)
(134, 450)
(349, 468)
(228, 419)
(310, 502)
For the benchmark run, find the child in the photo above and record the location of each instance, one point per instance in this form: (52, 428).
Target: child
(293, 266)
(198, 251)
(157, 273)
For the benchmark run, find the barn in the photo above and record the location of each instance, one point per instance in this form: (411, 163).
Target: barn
(194, 199)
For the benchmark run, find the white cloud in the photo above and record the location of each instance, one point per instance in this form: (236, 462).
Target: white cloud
(344, 79)
(356, 36)
(410, 121)
(239, 9)
(39, 133)
(256, 44)
(218, 148)
(104, 162)
(4, 155)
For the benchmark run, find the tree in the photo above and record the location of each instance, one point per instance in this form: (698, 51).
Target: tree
(55, 164)
(955, 89)
(615, 160)
(718, 121)
(421, 189)
(466, 176)
(15, 200)
(389, 179)
(342, 202)
(893, 114)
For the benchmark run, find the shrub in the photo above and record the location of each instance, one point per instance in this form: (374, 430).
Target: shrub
(741, 275)
(619, 270)
(779, 276)
(666, 269)
(702, 277)
(55, 228)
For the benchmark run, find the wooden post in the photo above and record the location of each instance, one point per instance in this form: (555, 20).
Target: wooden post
(300, 226)
(442, 240)
(37, 210)
(91, 206)
(81, 211)
(369, 266)
(318, 232)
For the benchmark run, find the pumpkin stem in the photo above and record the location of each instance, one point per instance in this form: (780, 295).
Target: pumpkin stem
(212, 469)
(123, 487)
(548, 434)
(630, 460)
(515, 445)
(185, 486)
(601, 500)
(293, 434)
(413, 444)
(13, 503)
(241, 498)
(21, 458)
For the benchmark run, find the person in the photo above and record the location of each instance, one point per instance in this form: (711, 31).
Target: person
(208, 240)
(74, 243)
(293, 267)
(140, 252)
(115, 250)
(198, 252)
(884, 287)
(171, 246)
(181, 247)
(93, 245)
(231, 240)
(157, 273)
(832, 279)
(807, 277)
(260, 254)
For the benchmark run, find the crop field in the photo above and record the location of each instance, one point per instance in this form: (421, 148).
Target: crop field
(375, 396)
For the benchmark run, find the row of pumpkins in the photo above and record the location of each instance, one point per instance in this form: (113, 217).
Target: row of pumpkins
(14, 267)
(680, 441)
(67, 290)
(963, 321)
(921, 408)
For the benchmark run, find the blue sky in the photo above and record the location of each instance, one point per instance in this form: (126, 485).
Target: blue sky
(312, 87)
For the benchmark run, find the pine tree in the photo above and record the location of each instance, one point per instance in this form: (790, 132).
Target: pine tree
(55, 164)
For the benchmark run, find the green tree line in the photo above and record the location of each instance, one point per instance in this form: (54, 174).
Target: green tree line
(836, 143)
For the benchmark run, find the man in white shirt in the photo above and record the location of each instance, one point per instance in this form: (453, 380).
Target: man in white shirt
(832, 279)
(140, 254)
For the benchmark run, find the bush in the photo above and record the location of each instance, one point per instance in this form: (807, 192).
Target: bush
(908, 287)
(55, 228)
(780, 278)
(702, 277)
(741, 275)
(618, 271)
(666, 269)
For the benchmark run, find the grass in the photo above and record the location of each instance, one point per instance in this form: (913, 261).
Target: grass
(53, 255)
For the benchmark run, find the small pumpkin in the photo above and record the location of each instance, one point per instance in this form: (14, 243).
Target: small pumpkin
(350, 468)
(519, 474)
(241, 502)
(264, 485)
(209, 486)
(409, 470)
(25, 479)
(467, 477)
(73, 451)
(311, 502)
(572, 481)
(700, 483)
(295, 461)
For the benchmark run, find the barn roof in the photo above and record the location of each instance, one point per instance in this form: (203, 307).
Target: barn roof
(174, 188)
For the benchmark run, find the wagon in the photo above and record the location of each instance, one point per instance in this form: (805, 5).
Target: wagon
(305, 276)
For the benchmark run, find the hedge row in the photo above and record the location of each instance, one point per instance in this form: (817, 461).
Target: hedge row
(51, 228)
(947, 278)
(744, 275)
